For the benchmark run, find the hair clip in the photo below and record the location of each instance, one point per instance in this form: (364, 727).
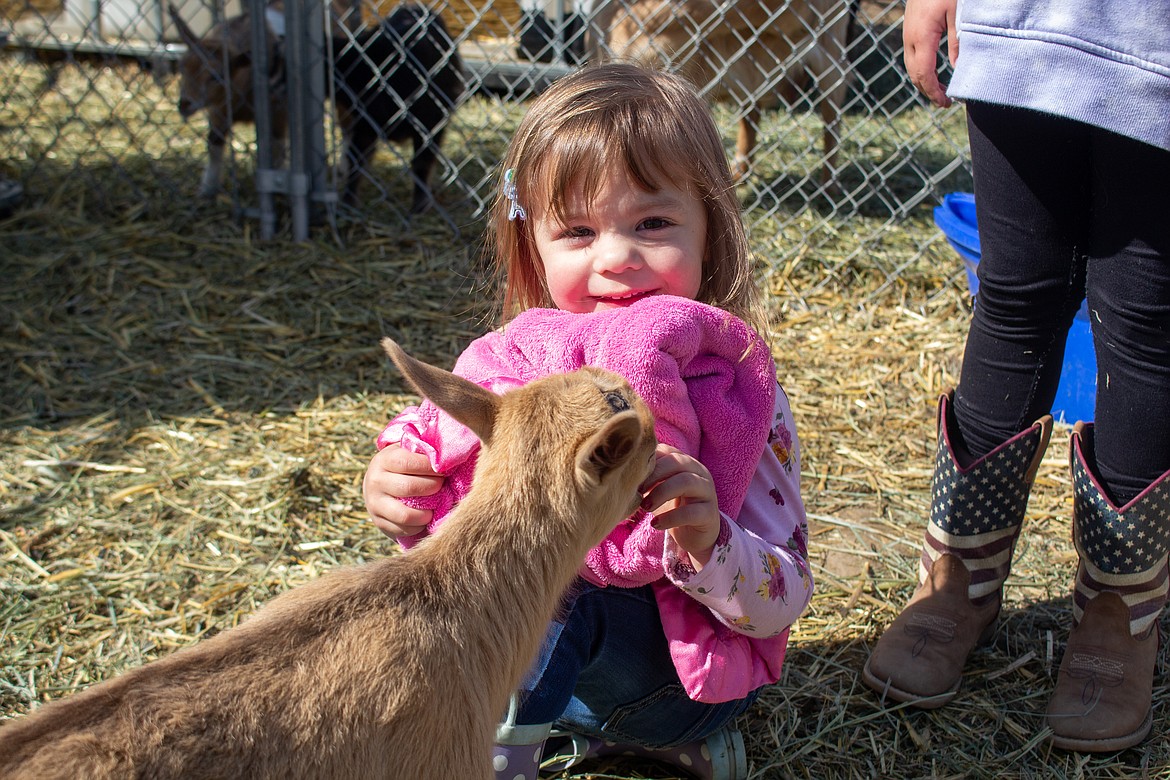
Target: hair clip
(515, 211)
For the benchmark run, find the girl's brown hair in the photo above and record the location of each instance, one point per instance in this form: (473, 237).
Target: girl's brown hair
(656, 126)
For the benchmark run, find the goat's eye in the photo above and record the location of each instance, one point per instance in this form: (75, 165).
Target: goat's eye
(617, 402)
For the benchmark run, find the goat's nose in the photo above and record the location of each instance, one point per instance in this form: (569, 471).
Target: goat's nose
(186, 108)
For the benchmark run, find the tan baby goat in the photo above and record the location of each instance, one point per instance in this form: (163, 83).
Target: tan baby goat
(755, 53)
(399, 668)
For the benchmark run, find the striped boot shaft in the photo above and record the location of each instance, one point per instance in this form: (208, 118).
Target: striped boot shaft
(1123, 550)
(977, 509)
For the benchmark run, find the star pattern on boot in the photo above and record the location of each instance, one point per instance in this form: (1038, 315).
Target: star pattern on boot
(990, 496)
(976, 512)
(1121, 541)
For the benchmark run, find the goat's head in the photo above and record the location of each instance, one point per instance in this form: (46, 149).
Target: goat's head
(584, 438)
(222, 57)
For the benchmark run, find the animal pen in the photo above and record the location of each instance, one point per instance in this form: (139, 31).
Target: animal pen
(190, 387)
(89, 94)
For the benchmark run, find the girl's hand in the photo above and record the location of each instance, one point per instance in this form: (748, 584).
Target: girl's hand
(396, 473)
(923, 26)
(681, 494)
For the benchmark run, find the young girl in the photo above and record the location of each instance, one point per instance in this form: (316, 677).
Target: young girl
(619, 237)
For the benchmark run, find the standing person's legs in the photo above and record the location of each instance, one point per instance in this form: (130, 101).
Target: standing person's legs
(1121, 464)
(1032, 201)
(1031, 204)
(1129, 307)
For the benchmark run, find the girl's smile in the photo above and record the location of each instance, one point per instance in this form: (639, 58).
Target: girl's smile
(628, 244)
(622, 300)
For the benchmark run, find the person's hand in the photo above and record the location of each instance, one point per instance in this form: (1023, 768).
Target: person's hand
(681, 494)
(396, 473)
(923, 26)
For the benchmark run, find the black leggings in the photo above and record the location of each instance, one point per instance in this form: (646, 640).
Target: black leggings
(1066, 211)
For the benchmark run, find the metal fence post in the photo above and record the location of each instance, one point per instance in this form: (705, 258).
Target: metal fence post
(266, 178)
(295, 58)
(306, 108)
(321, 195)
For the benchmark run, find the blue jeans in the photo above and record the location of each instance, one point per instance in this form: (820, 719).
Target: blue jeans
(605, 671)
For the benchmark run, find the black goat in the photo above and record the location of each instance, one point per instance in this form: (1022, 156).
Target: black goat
(399, 81)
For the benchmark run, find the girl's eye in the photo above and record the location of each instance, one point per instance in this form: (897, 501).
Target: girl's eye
(576, 232)
(655, 223)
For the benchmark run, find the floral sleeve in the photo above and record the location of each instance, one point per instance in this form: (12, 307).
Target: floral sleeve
(758, 580)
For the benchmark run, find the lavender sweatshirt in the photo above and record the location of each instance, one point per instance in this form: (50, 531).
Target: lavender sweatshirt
(1099, 62)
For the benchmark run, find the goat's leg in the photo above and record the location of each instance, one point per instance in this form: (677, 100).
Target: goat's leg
(422, 163)
(359, 148)
(279, 151)
(213, 173)
(832, 88)
(279, 137)
(831, 75)
(597, 30)
(745, 142)
(831, 116)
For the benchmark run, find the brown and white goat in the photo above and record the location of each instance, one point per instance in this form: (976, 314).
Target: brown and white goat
(753, 53)
(215, 75)
(398, 80)
(395, 669)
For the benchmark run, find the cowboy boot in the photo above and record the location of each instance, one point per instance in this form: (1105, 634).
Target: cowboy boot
(1105, 684)
(977, 510)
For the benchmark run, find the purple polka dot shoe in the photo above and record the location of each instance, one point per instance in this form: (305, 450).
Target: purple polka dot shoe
(721, 756)
(517, 762)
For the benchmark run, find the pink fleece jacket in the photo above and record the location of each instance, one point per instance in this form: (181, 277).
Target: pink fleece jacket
(710, 381)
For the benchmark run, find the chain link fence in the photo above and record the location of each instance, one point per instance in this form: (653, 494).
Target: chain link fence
(818, 115)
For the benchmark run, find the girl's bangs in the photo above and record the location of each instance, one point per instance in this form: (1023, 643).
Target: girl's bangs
(585, 157)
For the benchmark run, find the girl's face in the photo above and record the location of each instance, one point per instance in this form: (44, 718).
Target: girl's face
(629, 245)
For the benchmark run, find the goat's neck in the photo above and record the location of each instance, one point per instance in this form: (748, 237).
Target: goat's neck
(523, 537)
(516, 551)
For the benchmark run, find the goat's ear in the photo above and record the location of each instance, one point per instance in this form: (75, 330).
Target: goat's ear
(467, 402)
(609, 448)
(185, 32)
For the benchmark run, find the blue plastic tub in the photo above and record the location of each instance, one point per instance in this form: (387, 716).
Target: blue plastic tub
(1077, 391)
